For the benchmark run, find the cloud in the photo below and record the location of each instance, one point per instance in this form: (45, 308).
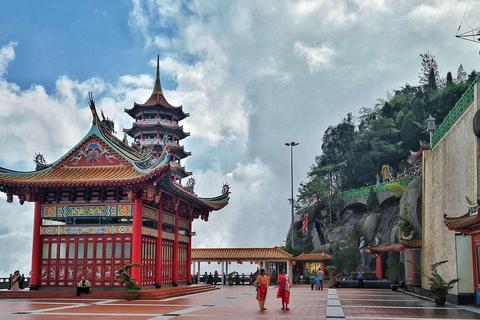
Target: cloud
(7, 54)
(316, 57)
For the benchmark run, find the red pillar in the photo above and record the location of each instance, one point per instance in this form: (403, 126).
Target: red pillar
(189, 254)
(411, 257)
(36, 247)
(158, 262)
(323, 268)
(137, 238)
(474, 260)
(175, 250)
(379, 267)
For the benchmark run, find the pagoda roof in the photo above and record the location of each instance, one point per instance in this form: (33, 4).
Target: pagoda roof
(382, 249)
(157, 100)
(314, 257)
(102, 159)
(241, 254)
(139, 126)
(468, 223)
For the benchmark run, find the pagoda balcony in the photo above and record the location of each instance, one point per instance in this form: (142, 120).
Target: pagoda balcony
(157, 120)
(157, 141)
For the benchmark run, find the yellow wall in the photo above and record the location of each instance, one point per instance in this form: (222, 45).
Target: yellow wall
(449, 174)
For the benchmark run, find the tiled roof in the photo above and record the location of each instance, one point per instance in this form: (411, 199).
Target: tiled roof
(234, 254)
(381, 249)
(463, 224)
(314, 256)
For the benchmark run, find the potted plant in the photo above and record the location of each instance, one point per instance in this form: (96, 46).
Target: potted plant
(438, 286)
(131, 288)
(395, 270)
(230, 278)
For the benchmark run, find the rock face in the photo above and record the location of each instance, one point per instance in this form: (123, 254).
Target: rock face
(412, 196)
(369, 226)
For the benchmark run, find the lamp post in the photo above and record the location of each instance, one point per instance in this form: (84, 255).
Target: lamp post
(291, 145)
(431, 127)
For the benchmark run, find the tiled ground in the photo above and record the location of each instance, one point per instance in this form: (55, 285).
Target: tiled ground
(239, 303)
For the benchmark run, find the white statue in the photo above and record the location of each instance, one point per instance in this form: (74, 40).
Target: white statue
(362, 249)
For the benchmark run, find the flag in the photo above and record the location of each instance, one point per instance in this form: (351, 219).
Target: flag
(305, 223)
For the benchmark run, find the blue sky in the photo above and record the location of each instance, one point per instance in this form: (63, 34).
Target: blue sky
(252, 74)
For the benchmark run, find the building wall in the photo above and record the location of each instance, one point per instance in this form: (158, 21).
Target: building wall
(449, 174)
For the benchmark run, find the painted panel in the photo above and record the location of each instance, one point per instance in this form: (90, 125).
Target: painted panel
(109, 210)
(77, 230)
(168, 219)
(184, 224)
(93, 153)
(168, 235)
(149, 232)
(183, 238)
(150, 213)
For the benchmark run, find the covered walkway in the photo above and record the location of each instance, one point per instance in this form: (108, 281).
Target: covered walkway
(267, 258)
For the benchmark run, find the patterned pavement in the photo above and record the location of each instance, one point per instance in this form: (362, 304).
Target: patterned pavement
(238, 302)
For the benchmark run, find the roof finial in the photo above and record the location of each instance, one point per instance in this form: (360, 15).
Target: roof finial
(158, 86)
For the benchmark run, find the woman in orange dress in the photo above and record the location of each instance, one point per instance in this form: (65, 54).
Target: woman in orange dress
(283, 282)
(262, 283)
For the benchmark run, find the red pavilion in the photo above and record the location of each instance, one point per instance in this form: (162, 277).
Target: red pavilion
(105, 204)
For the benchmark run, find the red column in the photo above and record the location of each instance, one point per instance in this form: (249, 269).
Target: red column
(158, 262)
(411, 257)
(175, 250)
(323, 267)
(36, 247)
(137, 238)
(379, 267)
(474, 260)
(189, 254)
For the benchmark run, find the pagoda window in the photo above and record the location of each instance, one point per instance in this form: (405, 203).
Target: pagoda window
(45, 251)
(126, 250)
(108, 250)
(63, 250)
(149, 223)
(53, 253)
(90, 250)
(182, 231)
(71, 250)
(87, 220)
(167, 227)
(53, 222)
(99, 252)
(118, 250)
(81, 250)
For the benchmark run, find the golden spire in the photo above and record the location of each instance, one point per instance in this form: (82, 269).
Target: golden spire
(158, 86)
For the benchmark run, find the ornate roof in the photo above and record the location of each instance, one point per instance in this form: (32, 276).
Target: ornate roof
(314, 257)
(241, 254)
(469, 222)
(157, 100)
(102, 159)
(381, 249)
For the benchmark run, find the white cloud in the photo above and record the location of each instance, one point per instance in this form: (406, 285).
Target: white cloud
(317, 58)
(142, 80)
(7, 54)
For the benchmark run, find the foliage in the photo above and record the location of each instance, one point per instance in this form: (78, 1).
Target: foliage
(403, 223)
(372, 200)
(396, 189)
(438, 286)
(346, 256)
(429, 75)
(395, 268)
(124, 277)
(329, 269)
(132, 291)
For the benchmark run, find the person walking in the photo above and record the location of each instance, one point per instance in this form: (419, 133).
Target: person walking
(261, 284)
(320, 277)
(307, 276)
(283, 282)
(205, 277)
(15, 281)
(215, 278)
(361, 278)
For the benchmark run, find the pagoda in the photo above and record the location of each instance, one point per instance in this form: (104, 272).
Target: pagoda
(104, 205)
(156, 125)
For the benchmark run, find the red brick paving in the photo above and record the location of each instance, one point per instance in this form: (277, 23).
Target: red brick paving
(238, 302)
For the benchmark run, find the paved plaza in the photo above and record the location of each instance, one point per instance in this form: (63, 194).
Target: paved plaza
(239, 302)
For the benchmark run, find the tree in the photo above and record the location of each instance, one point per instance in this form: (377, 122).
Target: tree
(372, 200)
(410, 133)
(432, 83)
(449, 79)
(429, 65)
(461, 74)
(345, 252)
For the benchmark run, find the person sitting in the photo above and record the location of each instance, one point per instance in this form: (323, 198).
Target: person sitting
(83, 286)
(338, 282)
(402, 285)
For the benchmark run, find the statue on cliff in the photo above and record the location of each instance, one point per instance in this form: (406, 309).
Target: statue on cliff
(361, 248)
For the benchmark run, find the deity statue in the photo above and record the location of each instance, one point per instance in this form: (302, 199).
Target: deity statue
(361, 248)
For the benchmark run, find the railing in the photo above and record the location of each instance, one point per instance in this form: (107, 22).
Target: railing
(5, 283)
(156, 120)
(458, 110)
(382, 187)
(158, 141)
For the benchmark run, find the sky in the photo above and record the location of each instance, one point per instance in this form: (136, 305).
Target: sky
(252, 74)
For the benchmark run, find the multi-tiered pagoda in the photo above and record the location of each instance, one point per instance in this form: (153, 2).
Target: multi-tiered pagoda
(156, 125)
(104, 204)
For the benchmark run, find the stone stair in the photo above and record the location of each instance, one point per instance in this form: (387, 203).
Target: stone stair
(146, 294)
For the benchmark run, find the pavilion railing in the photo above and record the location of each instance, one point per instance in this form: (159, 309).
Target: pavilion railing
(457, 111)
(382, 187)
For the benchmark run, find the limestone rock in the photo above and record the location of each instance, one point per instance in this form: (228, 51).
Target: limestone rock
(412, 196)
(315, 238)
(370, 227)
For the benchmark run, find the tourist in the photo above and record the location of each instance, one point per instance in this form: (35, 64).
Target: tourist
(16, 281)
(361, 278)
(283, 289)
(320, 277)
(261, 284)
(338, 282)
(83, 286)
(307, 276)
(205, 277)
(251, 279)
(317, 283)
(210, 279)
(243, 279)
(215, 278)
(402, 285)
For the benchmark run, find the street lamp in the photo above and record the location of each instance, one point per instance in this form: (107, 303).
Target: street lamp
(291, 145)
